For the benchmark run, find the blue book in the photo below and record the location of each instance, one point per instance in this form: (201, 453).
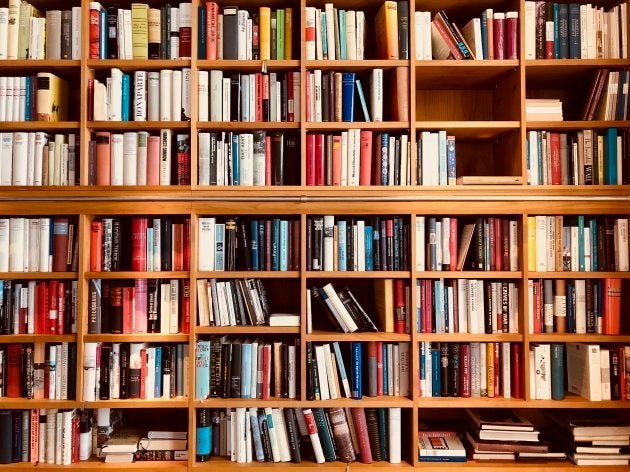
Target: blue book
(484, 34)
(27, 105)
(563, 20)
(284, 245)
(246, 367)
(570, 307)
(341, 366)
(436, 382)
(126, 97)
(432, 245)
(423, 372)
(437, 294)
(275, 244)
(202, 370)
(451, 161)
(324, 36)
(158, 372)
(347, 96)
(219, 253)
(575, 48)
(446, 308)
(442, 163)
(556, 31)
(385, 370)
(253, 244)
(366, 113)
(581, 263)
(343, 54)
(261, 245)
(356, 371)
(201, 31)
(369, 258)
(102, 34)
(610, 152)
(257, 438)
(384, 159)
(341, 241)
(234, 177)
(594, 261)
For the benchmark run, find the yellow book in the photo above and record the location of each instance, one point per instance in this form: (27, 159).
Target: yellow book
(490, 369)
(27, 11)
(531, 243)
(140, 30)
(288, 33)
(52, 97)
(387, 27)
(384, 304)
(559, 247)
(264, 31)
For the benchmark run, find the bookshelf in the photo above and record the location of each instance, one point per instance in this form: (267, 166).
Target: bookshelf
(481, 103)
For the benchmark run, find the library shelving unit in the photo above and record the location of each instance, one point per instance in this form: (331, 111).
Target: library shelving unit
(481, 103)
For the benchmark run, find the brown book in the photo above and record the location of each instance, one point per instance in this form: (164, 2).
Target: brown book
(60, 245)
(277, 369)
(464, 244)
(341, 433)
(594, 94)
(338, 96)
(504, 446)
(399, 99)
(384, 304)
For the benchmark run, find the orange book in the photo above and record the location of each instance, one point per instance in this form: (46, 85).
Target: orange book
(127, 309)
(336, 160)
(612, 306)
(264, 28)
(96, 246)
(338, 96)
(103, 161)
(399, 99)
(212, 29)
(143, 373)
(490, 369)
(288, 33)
(34, 435)
(387, 26)
(178, 246)
(365, 174)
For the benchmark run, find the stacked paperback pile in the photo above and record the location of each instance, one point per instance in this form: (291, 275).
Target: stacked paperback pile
(543, 109)
(596, 438)
(440, 445)
(127, 446)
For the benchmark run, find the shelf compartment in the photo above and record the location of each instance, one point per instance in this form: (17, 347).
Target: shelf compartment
(137, 125)
(127, 274)
(249, 66)
(136, 338)
(450, 73)
(38, 125)
(322, 336)
(131, 65)
(353, 65)
(567, 69)
(247, 329)
(470, 338)
(477, 130)
(38, 338)
(246, 125)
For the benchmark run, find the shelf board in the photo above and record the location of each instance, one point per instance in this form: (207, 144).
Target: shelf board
(217, 463)
(365, 402)
(138, 403)
(96, 464)
(543, 70)
(336, 336)
(356, 274)
(247, 125)
(470, 130)
(355, 65)
(247, 329)
(578, 275)
(38, 275)
(137, 275)
(38, 338)
(365, 125)
(460, 74)
(130, 65)
(578, 338)
(136, 338)
(460, 402)
(24, 403)
(469, 274)
(49, 65)
(137, 125)
(251, 274)
(271, 402)
(576, 125)
(38, 125)
(248, 66)
(573, 401)
(466, 338)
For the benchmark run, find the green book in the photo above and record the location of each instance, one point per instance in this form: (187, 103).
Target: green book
(325, 435)
(557, 371)
(280, 34)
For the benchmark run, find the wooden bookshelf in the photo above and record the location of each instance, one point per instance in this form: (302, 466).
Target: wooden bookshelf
(481, 103)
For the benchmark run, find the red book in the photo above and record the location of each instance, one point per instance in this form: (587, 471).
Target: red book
(60, 245)
(612, 306)
(400, 312)
(14, 371)
(360, 427)
(139, 244)
(185, 45)
(372, 356)
(497, 369)
(212, 29)
(127, 309)
(464, 359)
(309, 96)
(186, 244)
(264, 88)
(53, 307)
(516, 369)
(499, 35)
(428, 305)
(336, 160)
(268, 160)
(143, 373)
(90, 109)
(178, 246)
(153, 160)
(103, 160)
(498, 245)
(310, 159)
(75, 438)
(379, 368)
(512, 35)
(549, 31)
(95, 50)
(266, 372)
(186, 307)
(448, 39)
(96, 246)
(320, 167)
(34, 435)
(259, 96)
(61, 310)
(505, 238)
(378, 162)
(40, 308)
(365, 174)
(556, 173)
(183, 160)
(452, 243)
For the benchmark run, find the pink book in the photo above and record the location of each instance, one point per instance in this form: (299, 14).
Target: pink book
(153, 161)
(127, 312)
(336, 160)
(140, 306)
(310, 159)
(365, 174)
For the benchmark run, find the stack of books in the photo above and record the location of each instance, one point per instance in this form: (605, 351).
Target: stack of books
(543, 109)
(595, 438)
(436, 445)
(129, 445)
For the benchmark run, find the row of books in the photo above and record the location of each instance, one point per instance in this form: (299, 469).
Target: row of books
(442, 246)
(238, 34)
(140, 32)
(357, 244)
(471, 370)
(357, 157)
(38, 244)
(38, 306)
(134, 370)
(139, 306)
(494, 35)
(40, 97)
(260, 158)
(333, 33)
(293, 434)
(586, 157)
(250, 368)
(232, 302)
(467, 306)
(27, 33)
(163, 95)
(574, 31)
(592, 371)
(38, 370)
(575, 306)
(38, 158)
(382, 370)
(139, 158)
(607, 97)
(577, 244)
(436, 161)
(273, 96)
(139, 244)
(42, 436)
(267, 244)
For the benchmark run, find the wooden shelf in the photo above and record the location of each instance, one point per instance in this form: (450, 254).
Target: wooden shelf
(576, 125)
(358, 274)
(448, 74)
(98, 464)
(119, 275)
(38, 338)
(248, 66)
(352, 65)
(252, 274)
(130, 65)
(572, 401)
(578, 338)
(365, 402)
(58, 66)
(345, 125)
(247, 126)
(137, 125)
(137, 338)
(469, 274)
(38, 275)
(323, 336)
(578, 275)
(470, 338)
(246, 329)
(139, 403)
(25, 403)
(39, 125)
(470, 130)
(218, 462)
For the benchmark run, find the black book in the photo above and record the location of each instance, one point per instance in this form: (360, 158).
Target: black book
(5, 314)
(230, 244)
(226, 369)
(479, 253)
(216, 433)
(403, 29)
(134, 380)
(383, 427)
(124, 369)
(398, 224)
(376, 240)
(406, 248)
(116, 310)
(28, 370)
(309, 244)
(332, 320)
(454, 371)
(591, 315)
(215, 368)
(116, 244)
(248, 307)
(213, 158)
(383, 246)
(112, 33)
(293, 434)
(350, 244)
(325, 97)
(284, 101)
(66, 34)
(277, 153)
(167, 369)
(615, 375)
(352, 311)
(318, 243)
(262, 294)
(166, 242)
(106, 353)
(284, 352)
(244, 257)
(6, 436)
(94, 307)
(291, 160)
(370, 326)
(230, 35)
(390, 242)
(17, 436)
(256, 44)
(153, 305)
(72, 371)
(444, 366)
(174, 371)
(235, 371)
(310, 394)
(165, 33)
(264, 435)
(315, 379)
(235, 93)
(371, 420)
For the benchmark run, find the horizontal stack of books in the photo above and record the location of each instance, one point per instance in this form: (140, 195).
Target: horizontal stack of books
(440, 445)
(129, 445)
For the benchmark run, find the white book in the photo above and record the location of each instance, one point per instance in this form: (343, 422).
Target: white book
(4, 26)
(202, 94)
(216, 96)
(273, 110)
(30, 306)
(242, 16)
(140, 96)
(246, 162)
(3, 98)
(30, 162)
(623, 261)
(33, 245)
(16, 244)
(8, 116)
(344, 158)
(580, 306)
(153, 96)
(130, 158)
(21, 99)
(20, 157)
(330, 30)
(40, 142)
(257, 148)
(166, 140)
(141, 157)
(376, 95)
(176, 95)
(310, 13)
(204, 159)
(165, 312)
(584, 376)
(249, 25)
(333, 385)
(430, 158)
(319, 51)
(320, 357)
(317, 95)
(128, 37)
(76, 36)
(51, 431)
(351, 31)
(471, 299)
(59, 436)
(89, 371)
(340, 308)
(206, 243)
(329, 226)
(395, 438)
(174, 303)
(360, 35)
(605, 372)
(115, 96)
(361, 245)
(273, 438)
(117, 159)
(530, 30)
(166, 90)
(420, 247)
(6, 156)
(226, 116)
(114, 391)
(100, 101)
(281, 435)
(13, 29)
